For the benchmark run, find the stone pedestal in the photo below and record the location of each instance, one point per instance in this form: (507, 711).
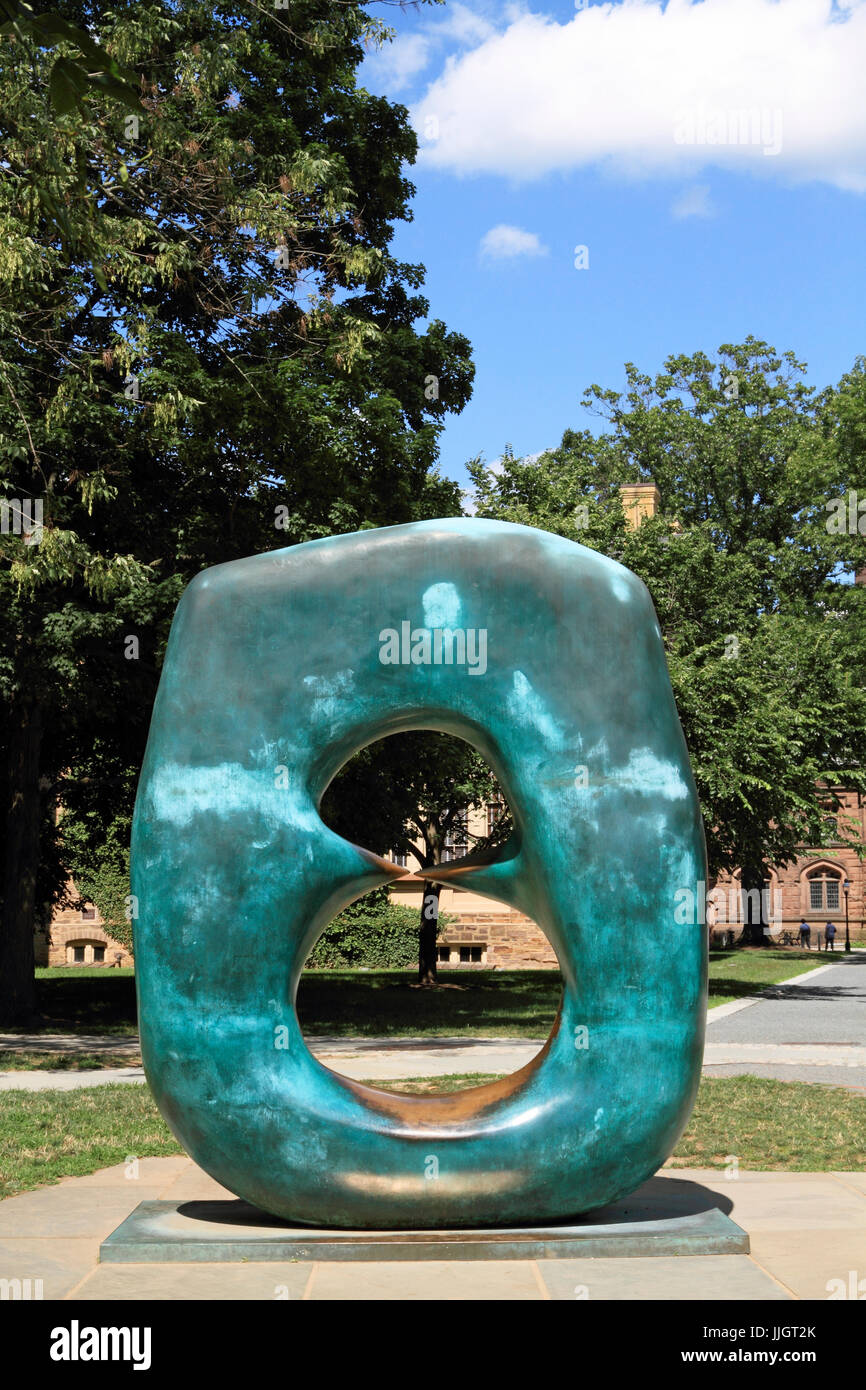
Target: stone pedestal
(220, 1231)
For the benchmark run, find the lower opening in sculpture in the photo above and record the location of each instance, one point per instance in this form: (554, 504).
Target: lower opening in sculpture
(447, 990)
(495, 998)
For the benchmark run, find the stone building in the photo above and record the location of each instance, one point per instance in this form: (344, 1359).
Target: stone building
(79, 938)
(815, 888)
(478, 932)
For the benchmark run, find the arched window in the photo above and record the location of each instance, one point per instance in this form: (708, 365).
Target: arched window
(824, 887)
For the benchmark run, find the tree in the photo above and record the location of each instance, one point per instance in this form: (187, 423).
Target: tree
(413, 793)
(216, 355)
(764, 633)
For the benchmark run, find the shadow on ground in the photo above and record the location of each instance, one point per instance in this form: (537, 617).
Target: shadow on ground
(659, 1199)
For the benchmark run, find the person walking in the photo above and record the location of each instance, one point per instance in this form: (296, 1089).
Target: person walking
(829, 936)
(805, 936)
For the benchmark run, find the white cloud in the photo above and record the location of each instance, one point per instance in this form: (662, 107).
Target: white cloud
(463, 24)
(402, 58)
(397, 62)
(693, 202)
(504, 243)
(773, 86)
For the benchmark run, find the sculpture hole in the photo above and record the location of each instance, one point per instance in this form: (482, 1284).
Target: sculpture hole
(422, 987)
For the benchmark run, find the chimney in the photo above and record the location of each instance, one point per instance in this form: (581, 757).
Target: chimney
(639, 500)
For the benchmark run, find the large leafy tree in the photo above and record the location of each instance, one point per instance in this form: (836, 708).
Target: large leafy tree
(206, 349)
(749, 569)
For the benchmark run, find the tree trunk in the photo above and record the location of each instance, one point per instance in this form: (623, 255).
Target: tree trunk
(428, 933)
(21, 813)
(752, 879)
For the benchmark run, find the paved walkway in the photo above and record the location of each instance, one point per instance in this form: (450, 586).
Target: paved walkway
(71, 1044)
(806, 1229)
(812, 1028)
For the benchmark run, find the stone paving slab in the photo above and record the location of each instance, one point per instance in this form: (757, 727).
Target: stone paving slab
(446, 1282)
(709, 1278)
(813, 1269)
(53, 1266)
(67, 1210)
(806, 1229)
(181, 1283)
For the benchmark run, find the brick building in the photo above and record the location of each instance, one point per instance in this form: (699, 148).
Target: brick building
(816, 888)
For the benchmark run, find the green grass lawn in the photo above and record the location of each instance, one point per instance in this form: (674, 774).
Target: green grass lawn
(495, 1003)
(75, 999)
(48, 1135)
(345, 1003)
(792, 1126)
(785, 1125)
(745, 971)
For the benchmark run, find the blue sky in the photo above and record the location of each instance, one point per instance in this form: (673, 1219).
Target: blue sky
(711, 156)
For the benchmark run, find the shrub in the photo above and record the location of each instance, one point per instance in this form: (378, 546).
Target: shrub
(373, 932)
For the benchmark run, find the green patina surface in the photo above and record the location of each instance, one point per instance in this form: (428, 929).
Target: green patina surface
(274, 677)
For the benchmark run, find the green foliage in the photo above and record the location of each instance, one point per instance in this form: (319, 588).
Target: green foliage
(764, 633)
(93, 70)
(410, 793)
(96, 852)
(373, 932)
(207, 350)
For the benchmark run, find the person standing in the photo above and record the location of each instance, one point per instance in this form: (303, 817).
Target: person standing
(829, 936)
(805, 936)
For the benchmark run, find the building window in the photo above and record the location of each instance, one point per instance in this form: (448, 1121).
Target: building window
(443, 954)
(99, 954)
(88, 914)
(495, 808)
(824, 891)
(455, 845)
(398, 858)
(78, 955)
(470, 955)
